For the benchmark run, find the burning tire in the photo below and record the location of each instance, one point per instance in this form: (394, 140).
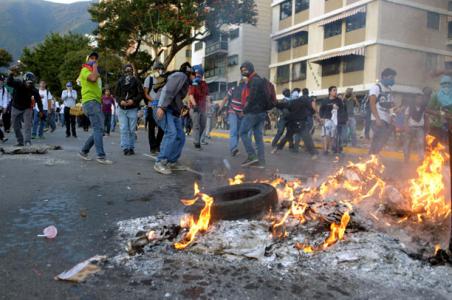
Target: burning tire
(249, 200)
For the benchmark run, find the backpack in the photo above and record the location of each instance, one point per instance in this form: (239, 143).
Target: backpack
(270, 95)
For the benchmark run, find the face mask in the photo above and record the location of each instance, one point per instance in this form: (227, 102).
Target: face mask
(245, 74)
(90, 63)
(388, 82)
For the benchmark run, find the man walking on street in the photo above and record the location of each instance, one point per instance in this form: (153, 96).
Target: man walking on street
(198, 93)
(38, 121)
(381, 104)
(129, 93)
(168, 118)
(69, 97)
(24, 97)
(91, 100)
(254, 118)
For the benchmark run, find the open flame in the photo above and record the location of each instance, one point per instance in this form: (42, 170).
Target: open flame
(426, 192)
(238, 179)
(202, 223)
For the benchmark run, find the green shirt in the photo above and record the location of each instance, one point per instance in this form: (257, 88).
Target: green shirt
(435, 105)
(90, 90)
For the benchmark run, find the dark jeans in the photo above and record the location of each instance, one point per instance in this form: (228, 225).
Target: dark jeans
(70, 122)
(154, 140)
(381, 136)
(281, 125)
(107, 122)
(2, 135)
(338, 139)
(367, 124)
(6, 120)
(305, 135)
(255, 123)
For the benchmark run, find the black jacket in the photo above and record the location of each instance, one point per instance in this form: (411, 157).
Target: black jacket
(255, 103)
(22, 94)
(299, 109)
(129, 90)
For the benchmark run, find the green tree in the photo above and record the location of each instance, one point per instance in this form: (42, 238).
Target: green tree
(47, 59)
(127, 26)
(5, 58)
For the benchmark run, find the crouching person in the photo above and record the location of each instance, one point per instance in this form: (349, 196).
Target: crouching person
(168, 118)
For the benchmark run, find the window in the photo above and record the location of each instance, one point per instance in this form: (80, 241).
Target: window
(299, 39)
(433, 20)
(355, 22)
(301, 5)
(333, 29)
(448, 65)
(198, 46)
(331, 66)
(233, 60)
(450, 6)
(299, 71)
(353, 63)
(233, 34)
(187, 53)
(283, 74)
(285, 9)
(284, 44)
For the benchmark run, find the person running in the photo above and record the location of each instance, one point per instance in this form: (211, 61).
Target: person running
(91, 100)
(129, 93)
(234, 105)
(198, 93)
(24, 97)
(255, 115)
(107, 103)
(38, 121)
(351, 102)
(167, 116)
(381, 104)
(326, 116)
(152, 89)
(69, 97)
(282, 120)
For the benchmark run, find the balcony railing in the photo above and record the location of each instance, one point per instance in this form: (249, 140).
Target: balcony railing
(220, 71)
(217, 47)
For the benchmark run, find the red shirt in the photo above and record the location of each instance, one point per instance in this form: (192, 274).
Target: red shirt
(200, 93)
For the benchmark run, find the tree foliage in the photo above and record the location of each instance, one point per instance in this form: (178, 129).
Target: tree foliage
(5, 58)
(127, 27)
(47, 59)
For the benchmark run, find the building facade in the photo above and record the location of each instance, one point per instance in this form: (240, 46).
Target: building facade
(223, 54)
(347, 43)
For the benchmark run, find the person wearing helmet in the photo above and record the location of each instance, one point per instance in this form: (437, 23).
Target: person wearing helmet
(129, 93)
(198, 93)
(167, 115)
(153, 85)
(24, 98)
(91, 100)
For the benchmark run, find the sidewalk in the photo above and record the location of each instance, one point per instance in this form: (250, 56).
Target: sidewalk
(223, 134)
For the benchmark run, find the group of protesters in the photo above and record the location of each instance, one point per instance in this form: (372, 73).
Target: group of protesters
(176, 100)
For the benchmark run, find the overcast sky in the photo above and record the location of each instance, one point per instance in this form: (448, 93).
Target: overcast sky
(66, 1)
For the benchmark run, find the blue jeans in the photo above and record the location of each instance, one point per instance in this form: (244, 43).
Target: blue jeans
(114, 120)
(254, 123)
(234, 126)
(38, 123)
(173, 139)
(52, 123)
(381, 136)
(92, 110)
(127, 125)
(350, 131)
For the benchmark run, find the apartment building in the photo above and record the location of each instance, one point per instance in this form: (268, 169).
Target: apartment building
(221, 55)
(347, 43)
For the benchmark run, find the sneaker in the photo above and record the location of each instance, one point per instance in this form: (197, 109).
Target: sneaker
(177, 166)
(274, 150)
(131, 152)
(204, 143)
(162, 169)
(198, 146)
(126, 152)
(235, 152)
(250, 161)
(4, 140)
(104, 161)
(27, 144)
(258, 165)
(84, 156)
(19, 145)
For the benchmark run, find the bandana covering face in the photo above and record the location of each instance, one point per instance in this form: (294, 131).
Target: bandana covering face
(445, 91)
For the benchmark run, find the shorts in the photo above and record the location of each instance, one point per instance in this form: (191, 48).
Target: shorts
(328, 129)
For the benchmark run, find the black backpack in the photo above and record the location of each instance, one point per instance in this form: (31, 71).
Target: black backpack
(270, 95)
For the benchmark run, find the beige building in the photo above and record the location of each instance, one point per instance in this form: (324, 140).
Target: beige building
(347, 43)
(222, 55)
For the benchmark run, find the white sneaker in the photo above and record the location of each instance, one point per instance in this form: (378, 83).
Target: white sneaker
(162, 169)
(84, 156)
(177, 166)
(104, 161)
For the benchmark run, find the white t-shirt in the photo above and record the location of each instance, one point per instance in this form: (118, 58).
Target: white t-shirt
(411, 122)
(4, 98)
(45, 97)
(69, 98)
(384, 113)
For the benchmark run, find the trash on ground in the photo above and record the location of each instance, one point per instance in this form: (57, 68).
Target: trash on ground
(82, 270)
(49, 232)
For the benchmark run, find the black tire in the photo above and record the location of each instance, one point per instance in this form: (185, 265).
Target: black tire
(243, 201)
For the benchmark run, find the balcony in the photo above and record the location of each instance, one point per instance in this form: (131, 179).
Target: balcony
(216, 72)
(218, 47)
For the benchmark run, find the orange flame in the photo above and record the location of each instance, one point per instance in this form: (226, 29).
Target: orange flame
(437, 248)
(238, 179)
(201, 225)
(337, 231)
(427, 190)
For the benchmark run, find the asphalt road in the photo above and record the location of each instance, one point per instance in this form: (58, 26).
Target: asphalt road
(84, 200)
